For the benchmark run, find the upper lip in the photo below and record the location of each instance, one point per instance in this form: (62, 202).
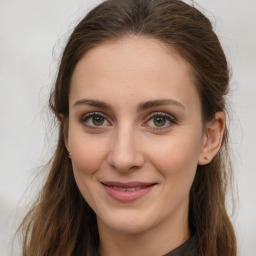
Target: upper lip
(128, 184)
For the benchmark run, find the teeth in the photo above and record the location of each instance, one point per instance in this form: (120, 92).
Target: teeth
(127, 189)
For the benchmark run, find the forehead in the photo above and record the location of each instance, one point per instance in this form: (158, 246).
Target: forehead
(136, 50)
(133, 67)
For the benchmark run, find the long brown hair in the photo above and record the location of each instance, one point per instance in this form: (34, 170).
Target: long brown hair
(61, 222)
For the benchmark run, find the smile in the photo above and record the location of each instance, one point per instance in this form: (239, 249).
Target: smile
(127, 192)
(127, 189)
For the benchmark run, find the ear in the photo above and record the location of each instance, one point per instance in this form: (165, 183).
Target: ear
(212, 138)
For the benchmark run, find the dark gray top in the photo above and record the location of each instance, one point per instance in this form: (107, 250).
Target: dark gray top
(189, 248)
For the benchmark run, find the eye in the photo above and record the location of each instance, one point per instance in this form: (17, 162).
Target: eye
(95, 120)
(160, 120)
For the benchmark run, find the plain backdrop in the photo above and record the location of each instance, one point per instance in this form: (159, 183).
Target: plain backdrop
(32, 35)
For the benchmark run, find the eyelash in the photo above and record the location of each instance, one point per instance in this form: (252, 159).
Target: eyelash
(168, 117)
(84, 119)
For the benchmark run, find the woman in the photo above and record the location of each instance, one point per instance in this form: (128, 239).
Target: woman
(141, 166)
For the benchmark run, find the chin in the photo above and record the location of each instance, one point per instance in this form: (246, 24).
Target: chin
(129, 223)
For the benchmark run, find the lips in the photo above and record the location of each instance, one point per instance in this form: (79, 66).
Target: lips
(127, 192)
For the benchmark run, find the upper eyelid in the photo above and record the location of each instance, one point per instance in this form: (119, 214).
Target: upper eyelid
(160, 113)
(95, 113)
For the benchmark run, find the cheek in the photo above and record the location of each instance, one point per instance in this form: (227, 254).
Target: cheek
(87, 153)
(176, 159)
(87, 158)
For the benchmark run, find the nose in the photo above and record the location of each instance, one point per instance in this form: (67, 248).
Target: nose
(124, 154)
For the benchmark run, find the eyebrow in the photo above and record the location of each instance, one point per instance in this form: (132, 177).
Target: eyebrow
(93, 103)
(157, 103)
(142, 106)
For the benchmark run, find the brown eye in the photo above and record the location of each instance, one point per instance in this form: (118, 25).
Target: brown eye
(98, 120)
(159, 121)
(95, 120)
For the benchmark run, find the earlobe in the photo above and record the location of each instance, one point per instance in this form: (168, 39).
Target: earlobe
(212, 138)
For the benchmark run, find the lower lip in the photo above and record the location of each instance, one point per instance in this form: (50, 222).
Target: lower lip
(126, 195)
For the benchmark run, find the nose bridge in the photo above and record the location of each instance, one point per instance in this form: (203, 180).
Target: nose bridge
(124, 152)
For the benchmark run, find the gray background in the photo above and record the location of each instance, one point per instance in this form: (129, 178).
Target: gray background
(32, 34)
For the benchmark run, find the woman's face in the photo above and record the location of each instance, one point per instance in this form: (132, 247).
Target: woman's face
(135, 134)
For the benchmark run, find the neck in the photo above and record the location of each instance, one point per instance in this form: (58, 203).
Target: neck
(158, 240)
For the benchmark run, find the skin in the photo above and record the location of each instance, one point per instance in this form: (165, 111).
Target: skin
(129, 144)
